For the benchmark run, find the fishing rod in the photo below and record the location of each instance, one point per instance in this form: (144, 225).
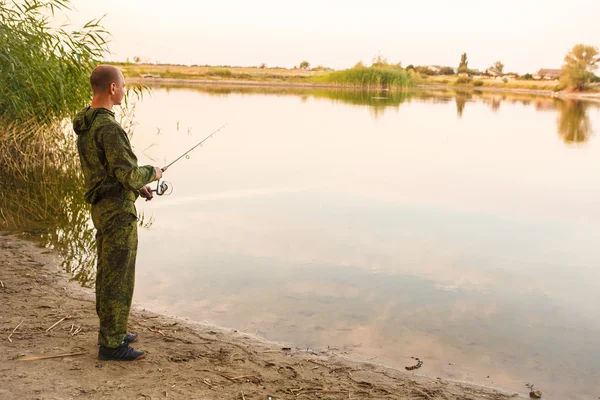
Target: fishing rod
(163, 187)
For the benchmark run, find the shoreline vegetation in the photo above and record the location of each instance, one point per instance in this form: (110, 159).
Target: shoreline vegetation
(360, 77)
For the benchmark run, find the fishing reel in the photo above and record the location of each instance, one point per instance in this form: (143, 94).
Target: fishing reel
(163, 188)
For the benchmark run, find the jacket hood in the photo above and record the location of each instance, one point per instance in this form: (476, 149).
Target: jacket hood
(84, 119)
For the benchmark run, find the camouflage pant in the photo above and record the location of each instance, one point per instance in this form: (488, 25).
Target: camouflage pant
(116, 238)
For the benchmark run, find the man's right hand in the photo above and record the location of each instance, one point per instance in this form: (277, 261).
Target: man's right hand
(158, 173)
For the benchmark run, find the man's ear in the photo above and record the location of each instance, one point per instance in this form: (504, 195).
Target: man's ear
(112, 88)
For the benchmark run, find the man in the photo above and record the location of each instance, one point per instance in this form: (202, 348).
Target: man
(113, 181)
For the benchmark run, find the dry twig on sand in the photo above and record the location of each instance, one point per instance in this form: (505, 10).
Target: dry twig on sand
(49, 357)
(17, 327)
(207, 383)
(58, 322)
(155, 331)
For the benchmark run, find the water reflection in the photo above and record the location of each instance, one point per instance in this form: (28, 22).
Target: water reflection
(73, 235)
(574, 125)
(461, 101)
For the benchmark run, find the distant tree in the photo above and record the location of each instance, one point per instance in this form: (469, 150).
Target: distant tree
(359, 64)
(137, 59)
(304, 65)
(497, 68)
(464, 64)
(447, 71)
(425, 70)
(410, 66)
(577, 70)
(263, 66)
(527, 77)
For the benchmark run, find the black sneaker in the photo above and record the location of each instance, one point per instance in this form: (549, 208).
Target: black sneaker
(130, 337)
(121, 353)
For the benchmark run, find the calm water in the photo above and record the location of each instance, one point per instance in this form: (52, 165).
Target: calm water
(462, 229)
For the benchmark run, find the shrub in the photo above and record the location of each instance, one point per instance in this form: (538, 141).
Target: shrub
(478, 83)
(447, 71)
(463, 80)
(558, 87)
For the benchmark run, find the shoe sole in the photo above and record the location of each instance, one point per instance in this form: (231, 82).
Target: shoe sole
(112, 359)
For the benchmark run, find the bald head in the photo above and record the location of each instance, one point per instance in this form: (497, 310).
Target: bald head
(103, 76)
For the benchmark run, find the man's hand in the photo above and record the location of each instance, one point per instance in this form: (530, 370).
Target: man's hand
(146, 193)
(158, 173)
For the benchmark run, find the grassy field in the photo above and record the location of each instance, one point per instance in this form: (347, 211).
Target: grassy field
(218, 72)
(337, 78)
(489, 82)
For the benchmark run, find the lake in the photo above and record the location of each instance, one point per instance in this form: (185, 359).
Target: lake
(457, 227)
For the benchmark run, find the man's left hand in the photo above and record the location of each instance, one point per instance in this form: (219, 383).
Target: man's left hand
(146, 193)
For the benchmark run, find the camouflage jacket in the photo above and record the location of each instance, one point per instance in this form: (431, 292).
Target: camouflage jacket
(109, 166)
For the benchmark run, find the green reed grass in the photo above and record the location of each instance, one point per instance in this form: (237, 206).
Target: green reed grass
(44, 70)
(369, 78)
(44, 81)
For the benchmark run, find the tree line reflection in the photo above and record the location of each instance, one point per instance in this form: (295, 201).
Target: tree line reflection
(573, 122)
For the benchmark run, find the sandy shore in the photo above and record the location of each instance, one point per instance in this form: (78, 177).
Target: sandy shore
(590, 96)
(184, 360)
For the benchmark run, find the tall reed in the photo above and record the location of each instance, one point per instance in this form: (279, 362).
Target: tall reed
(44, 70)
(44, 81)
(369, 78)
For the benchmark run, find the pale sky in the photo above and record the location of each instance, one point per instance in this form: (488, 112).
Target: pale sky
(525, 35)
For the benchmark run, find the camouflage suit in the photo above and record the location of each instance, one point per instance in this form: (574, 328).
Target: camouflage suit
(112, 179)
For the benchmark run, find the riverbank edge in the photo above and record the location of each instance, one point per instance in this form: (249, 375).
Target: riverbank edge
(35, 292)
(589, 96)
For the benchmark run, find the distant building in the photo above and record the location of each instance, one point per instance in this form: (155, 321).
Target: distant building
(546, 73)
